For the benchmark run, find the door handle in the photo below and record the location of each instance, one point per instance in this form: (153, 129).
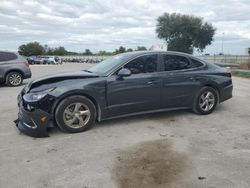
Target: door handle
(151, 82)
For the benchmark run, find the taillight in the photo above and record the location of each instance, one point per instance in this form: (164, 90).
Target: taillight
(26, 63)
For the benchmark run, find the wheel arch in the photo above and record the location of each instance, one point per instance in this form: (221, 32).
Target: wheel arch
(216, 88)
(211, 85)
(13, 70)
(91, 98)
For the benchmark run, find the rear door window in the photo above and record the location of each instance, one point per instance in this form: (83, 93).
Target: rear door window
(175, 62)
(7, 56)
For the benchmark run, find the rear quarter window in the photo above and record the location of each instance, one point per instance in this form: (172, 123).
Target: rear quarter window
(195, 63)
(7, 56)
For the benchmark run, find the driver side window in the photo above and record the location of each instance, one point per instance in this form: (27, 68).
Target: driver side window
(143, 64)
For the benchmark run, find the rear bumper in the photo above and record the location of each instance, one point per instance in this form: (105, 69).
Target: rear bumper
(33, 123)
(226, 93)
(27, 74)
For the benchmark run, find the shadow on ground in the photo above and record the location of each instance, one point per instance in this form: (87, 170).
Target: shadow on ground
(149, 164)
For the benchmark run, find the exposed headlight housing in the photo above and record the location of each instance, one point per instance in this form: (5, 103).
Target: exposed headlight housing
(36, 96)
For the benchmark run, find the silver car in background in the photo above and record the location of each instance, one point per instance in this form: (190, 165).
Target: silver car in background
(13, 68)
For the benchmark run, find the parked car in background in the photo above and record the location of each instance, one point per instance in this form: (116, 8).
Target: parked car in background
(127, 84)
(38, 60)
(57, 59)
(13, 68)
(31, 60)
(51, 60)
(82, 59)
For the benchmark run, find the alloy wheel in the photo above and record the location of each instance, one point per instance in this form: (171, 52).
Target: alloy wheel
(76, 115)
(15, 79)
(207, 101)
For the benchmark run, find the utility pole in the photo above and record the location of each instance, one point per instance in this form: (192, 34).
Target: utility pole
(222, 44)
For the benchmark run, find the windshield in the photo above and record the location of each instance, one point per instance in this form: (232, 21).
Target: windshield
(107, 65)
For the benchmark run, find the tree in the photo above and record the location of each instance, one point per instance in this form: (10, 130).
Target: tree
(183, 33)
(60, 51)
(141, 48)
(120, 50)
(104, 53)
(129, 50)
(87, 52)
(50, 51)
(32, 48)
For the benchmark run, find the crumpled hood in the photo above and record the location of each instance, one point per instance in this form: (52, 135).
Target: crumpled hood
(50, 79)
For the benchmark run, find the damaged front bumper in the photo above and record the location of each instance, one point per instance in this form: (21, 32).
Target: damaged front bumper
(33, 123)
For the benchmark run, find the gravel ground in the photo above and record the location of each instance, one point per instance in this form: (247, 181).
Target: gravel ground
(171, 149)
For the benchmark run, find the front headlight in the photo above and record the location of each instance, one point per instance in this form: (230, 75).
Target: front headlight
(36, 96)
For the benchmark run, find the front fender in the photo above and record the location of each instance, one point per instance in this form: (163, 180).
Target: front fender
(97, 97)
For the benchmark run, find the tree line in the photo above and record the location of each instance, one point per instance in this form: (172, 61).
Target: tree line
(35, 48)
(182, 33)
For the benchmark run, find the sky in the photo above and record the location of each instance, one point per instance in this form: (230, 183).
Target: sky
(106, 25)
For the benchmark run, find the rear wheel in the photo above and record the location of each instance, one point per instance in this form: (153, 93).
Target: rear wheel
(75, 114)
(14, 79)
(205, 101)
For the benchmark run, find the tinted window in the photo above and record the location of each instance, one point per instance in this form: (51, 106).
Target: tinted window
(174, 62)
(7, 56)
(143, 64)
(196, 63)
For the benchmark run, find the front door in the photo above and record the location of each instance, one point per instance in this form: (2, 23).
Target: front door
(138, 92)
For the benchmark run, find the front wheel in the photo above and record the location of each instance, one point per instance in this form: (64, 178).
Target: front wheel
(75, 114)
(205, 101)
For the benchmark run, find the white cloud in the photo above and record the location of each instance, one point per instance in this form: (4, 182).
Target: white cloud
(99, 25)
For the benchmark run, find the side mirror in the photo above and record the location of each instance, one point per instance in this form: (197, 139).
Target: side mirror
(124, 73)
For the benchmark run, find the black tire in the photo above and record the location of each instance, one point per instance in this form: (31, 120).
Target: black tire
(60, 113)
(198, 101)
(14, 79)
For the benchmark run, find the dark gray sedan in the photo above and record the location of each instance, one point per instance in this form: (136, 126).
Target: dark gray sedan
(123, 85)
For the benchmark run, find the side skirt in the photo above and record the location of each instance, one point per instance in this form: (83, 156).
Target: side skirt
(144, 112)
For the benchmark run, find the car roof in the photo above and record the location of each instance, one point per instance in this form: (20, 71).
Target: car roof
(13, 52)
(135, 53)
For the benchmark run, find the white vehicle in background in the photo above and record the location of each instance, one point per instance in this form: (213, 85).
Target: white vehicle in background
(50, 60)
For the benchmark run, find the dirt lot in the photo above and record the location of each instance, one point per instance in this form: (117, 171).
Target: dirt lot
(172, 149)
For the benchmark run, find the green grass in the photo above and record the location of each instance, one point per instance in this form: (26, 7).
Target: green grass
(241, 75)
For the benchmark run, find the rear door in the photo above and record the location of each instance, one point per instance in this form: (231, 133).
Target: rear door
(138, 92)
(179, 80)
